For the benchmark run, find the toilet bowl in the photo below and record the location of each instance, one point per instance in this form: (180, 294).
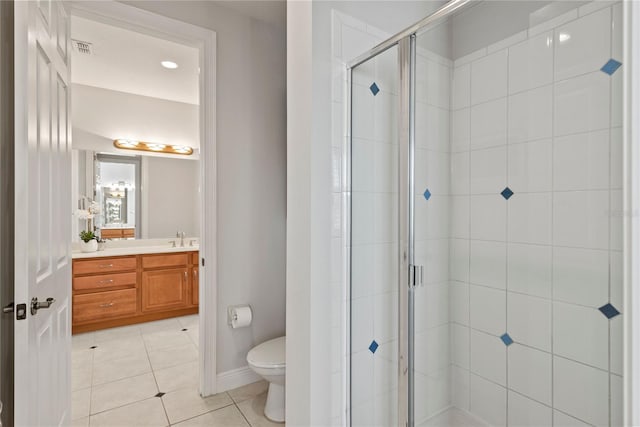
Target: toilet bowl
(268, 361)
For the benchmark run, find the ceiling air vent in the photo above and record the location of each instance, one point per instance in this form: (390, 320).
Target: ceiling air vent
(82, 47)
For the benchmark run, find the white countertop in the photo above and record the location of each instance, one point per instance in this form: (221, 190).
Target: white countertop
(134, 247)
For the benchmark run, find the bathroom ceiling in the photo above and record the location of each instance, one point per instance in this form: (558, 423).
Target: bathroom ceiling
(128, 61)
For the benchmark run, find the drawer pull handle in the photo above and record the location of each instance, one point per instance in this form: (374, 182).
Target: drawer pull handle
(106, 305)
(102, 282)
(185, 276)
(106, 266)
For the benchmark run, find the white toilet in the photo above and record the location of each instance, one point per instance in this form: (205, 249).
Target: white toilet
(268, 361)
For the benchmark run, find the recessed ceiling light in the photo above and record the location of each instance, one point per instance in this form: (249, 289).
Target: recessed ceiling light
(169, 64)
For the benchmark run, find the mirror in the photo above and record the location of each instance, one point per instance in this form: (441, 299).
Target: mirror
(117, 188)
(136, 196)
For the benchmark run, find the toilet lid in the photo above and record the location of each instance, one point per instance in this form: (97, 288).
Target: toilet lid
(269, 354)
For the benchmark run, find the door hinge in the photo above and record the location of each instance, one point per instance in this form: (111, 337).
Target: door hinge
(416, 275)
(203, 262)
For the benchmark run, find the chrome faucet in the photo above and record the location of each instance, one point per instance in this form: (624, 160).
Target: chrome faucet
(181, 235)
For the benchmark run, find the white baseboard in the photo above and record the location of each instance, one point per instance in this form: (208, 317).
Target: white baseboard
(236, 378)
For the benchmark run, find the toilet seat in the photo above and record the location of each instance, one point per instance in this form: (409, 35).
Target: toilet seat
(268, 355)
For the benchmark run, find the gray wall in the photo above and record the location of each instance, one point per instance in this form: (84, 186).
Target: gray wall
(251, 175)
(170, 197)
(6, 208)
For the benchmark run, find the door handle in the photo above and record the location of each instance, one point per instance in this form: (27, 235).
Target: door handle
(7, 309)
(37, 305)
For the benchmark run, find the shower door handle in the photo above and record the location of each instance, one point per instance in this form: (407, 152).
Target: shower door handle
(416, 275)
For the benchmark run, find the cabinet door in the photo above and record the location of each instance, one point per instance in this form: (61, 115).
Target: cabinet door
(165, 289)
(195, 279)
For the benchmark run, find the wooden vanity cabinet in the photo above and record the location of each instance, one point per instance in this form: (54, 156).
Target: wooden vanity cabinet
(117, 291)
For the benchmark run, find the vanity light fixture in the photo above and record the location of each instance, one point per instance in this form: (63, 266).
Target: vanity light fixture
(154, 147)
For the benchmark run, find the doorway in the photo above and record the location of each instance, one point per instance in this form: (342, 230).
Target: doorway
(182, 331)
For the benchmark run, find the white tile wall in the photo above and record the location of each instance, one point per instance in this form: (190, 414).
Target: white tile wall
(530, 373)
(529, 320)
(488, 124)
(489, 77)
(581, 391)
(529, 269)
(537, 115)
(488, 357)
(581, 104)
(526, 412)
(529, 117)
(488, 261)
(530, 166)
(582, 44)
(581, 161)
(488, 309)
(488, 170)
(581, 333)
(531, 63)
(488, 401)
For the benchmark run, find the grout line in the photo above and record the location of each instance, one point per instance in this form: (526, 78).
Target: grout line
(93, 357)
(468, 197)
(506, 247)
(611, 37)
(552, 224)
(200, 415)
(241, 413)
(153, 372)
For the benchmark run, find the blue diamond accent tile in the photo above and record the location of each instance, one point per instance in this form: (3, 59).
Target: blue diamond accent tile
(373, 347)
(506, 193)
(506, 339)
(609, 311)
(427, 194)
(374, 89)
(611, 66)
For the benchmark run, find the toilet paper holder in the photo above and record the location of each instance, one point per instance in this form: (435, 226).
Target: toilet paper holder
(232, 314)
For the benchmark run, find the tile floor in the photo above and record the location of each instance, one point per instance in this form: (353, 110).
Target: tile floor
(147, 375)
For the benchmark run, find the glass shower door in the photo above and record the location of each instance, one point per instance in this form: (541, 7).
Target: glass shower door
(374, 241)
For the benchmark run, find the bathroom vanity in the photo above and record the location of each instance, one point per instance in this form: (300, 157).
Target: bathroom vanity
(122, 286)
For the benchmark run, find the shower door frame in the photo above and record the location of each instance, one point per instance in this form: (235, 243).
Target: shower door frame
(408, 273)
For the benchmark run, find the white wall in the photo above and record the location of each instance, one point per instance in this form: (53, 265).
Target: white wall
(108, 114)
(251, 182)
(170, 197)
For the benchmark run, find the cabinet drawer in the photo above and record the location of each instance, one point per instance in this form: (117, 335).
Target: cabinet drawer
(104, 281)
(128, 232)
(111, 233)
(164, 260)
(104, 305)
(104, 265)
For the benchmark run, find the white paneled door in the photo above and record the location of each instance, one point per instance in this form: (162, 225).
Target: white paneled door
(43, 214)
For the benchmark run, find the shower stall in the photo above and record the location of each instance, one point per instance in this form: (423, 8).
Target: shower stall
(485, 201)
